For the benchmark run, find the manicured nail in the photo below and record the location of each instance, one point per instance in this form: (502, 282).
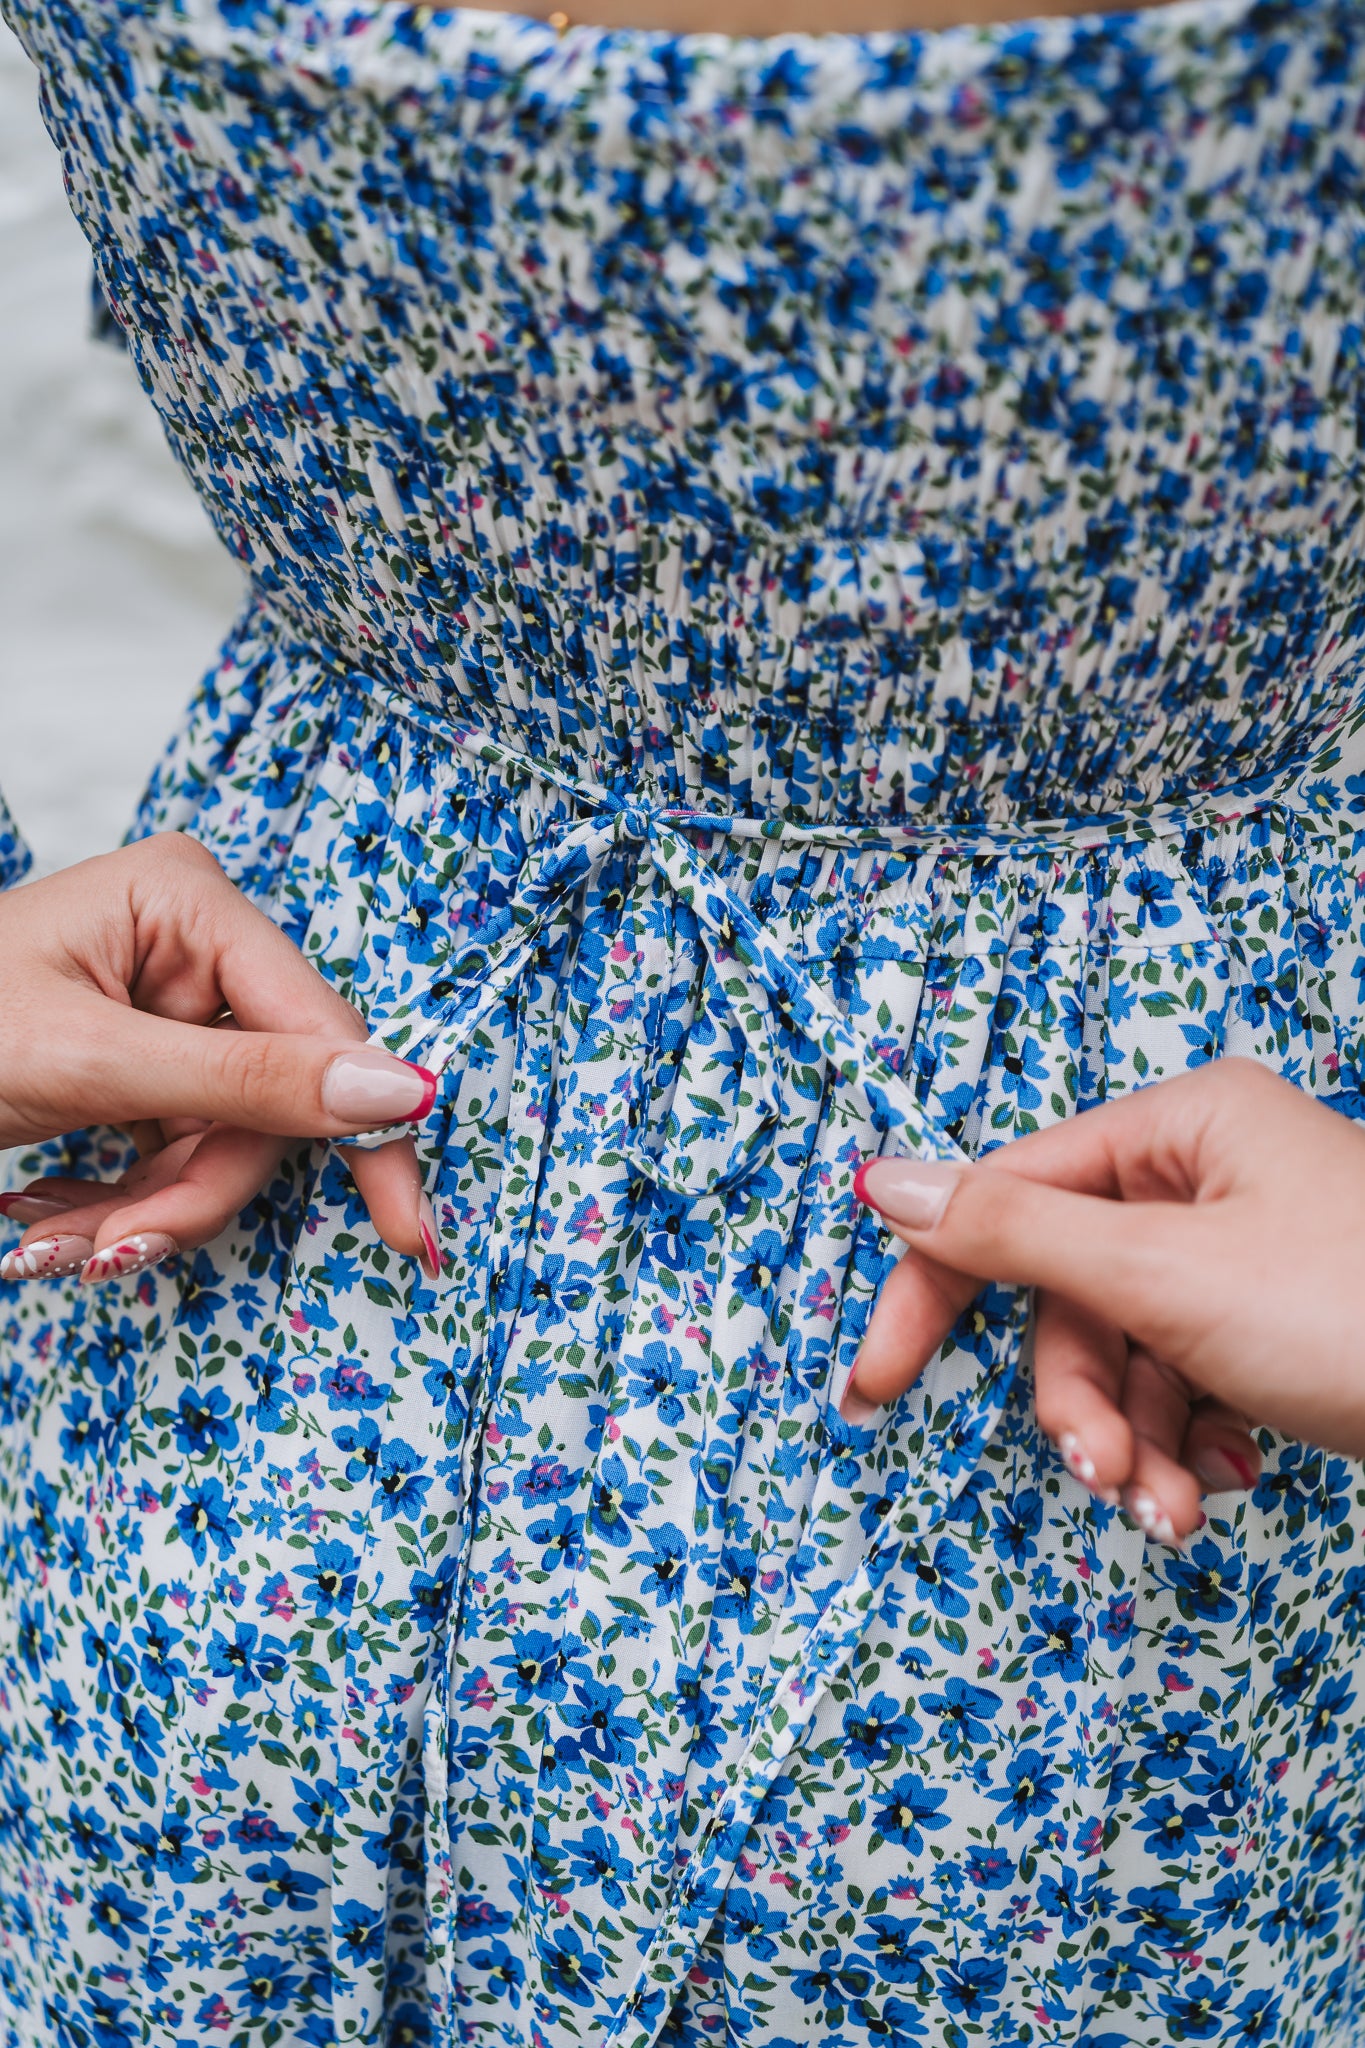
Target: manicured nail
(856, 1409)
(1076, 1458)
(1150, 1516)
(1081, 1465)
(914, 1192)
(28, 1209)
(45, 1258)
(432, 1263)
(1225, 1471)
(367, 1087)
(129, 1255)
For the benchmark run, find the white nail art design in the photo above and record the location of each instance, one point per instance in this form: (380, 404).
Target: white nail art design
(1076, 1459)
(46, 1258)
(1151, 1517)
(129, 1255)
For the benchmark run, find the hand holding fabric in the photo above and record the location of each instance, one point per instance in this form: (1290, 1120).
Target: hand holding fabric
(1197, 1253)
(111, 975)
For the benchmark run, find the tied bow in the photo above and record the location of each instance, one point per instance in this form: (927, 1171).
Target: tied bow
(762, 985)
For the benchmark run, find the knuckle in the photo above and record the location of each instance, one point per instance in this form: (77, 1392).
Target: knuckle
(258, 1071)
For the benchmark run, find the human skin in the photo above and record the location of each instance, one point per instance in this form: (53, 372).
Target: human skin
(796, 17)
(1196, 1250)
(110, 974)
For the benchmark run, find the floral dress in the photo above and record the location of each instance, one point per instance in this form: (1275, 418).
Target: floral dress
(805, 599)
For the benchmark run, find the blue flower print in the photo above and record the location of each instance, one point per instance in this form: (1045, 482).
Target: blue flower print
(249, 1658)
(732, 688)
(1171, 1750)
(660, 1377)
(331, 1575)
(535, 1662)
(898, 1957)
(878, 1731)
(1172, 1827)
(1031, 1788)
(947, 1578)
(62, 1723)
(205, 1517)
(598, 1860)
(117, 1914)
(910, 1807)
(571, 1970)
(594, 1710)
(664, 1573)
(617, 1503)
(964, 1714)
(401, 1482)
(1154, 894)
(204, 1424)
(972, 1987)
(504, 1970)
(1055, 1642)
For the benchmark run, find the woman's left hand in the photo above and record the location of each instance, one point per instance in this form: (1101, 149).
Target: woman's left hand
(112, 975)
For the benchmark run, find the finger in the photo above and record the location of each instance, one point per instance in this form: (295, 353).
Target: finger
(124, 1066)
(1163, 1496)
(917, 1307)
(390, 1184)
(1220, 1448)
(1079, 1365)
(1128, 1262)
(42, 1200)
(214, 1181)
(192, 1190)
(217, 1177)
(62, 1244)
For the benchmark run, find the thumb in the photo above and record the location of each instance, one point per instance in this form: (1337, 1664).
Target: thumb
(123, 1065)
(1120, 1260)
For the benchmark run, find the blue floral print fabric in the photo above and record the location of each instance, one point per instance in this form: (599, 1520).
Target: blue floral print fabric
(15, 858)
(805, 599)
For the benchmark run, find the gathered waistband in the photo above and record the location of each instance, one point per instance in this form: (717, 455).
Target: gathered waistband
(1134, 825)
(762, 984)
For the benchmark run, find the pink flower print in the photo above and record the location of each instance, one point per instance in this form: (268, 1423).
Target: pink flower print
(276, 1597)
(819, 1297)
(586, 1224)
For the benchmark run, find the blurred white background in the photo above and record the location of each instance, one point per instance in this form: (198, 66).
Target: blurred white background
(113, 589)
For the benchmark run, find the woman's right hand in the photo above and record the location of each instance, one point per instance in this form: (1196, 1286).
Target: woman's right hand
(113, 974)
(1198, 1250)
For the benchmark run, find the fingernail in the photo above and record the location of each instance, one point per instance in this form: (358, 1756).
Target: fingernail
(432, 1263)
(1076, 1458)
(28, 1209)
(1150, 1516)
(367, 1087)
(914, 1192)
(1081, 1466)
(1225, 1471)
(855, 1408)
(129, 1255)
(45, 1258)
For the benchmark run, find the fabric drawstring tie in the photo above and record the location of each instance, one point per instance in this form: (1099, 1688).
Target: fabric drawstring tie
(763, 986)
(768, 994)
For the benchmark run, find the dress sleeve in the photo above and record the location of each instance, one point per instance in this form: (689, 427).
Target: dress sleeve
(15, 858)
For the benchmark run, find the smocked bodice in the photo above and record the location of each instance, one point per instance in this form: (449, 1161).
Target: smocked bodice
(964, 427)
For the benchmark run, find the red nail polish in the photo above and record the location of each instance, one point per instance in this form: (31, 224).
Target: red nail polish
(429, 1082)
(433, 1265)
(860, 1183)
(28, 1208)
